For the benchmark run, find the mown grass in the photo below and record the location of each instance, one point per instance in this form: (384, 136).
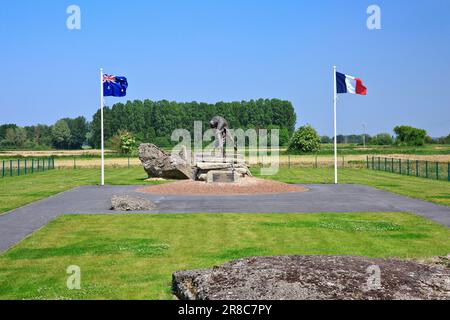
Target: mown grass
(133, 257)
(420, 188)
(354, 149)
(22, 190)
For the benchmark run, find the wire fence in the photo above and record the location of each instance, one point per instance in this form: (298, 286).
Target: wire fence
(289, 161)
(418, 168)
(20, 167)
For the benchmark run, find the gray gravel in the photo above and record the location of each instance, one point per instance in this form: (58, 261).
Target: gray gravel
(20, 223)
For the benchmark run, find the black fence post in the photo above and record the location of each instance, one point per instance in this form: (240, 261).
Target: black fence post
(385, 164)
(407, 167)
(379, 164)
(25, 169)
(392, 165)
(448, 171)
(32, 166)
(367, 161)
(417, 168)
(18, 167)
(373, 163)
(400, 165)
(10, 168)
(39, 164)
(426, 169)
(3, 169)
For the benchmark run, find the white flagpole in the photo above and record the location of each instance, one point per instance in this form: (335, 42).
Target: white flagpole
(101, 126)
(335, 129)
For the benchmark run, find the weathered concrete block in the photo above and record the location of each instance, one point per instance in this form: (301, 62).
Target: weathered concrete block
(314, 278)
(159, 164)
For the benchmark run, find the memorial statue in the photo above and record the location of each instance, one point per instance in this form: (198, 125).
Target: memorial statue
(222, 132)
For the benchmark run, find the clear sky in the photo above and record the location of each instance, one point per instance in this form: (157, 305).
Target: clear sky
(227, 50)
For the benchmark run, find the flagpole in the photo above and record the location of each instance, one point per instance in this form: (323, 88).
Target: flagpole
(335, 130)
(101, 126)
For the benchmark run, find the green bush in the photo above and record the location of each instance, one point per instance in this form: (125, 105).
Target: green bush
(305, 139)
(410, 136)
(382, 139)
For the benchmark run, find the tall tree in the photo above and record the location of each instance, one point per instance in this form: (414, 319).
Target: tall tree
(78, 129)
(61, 134)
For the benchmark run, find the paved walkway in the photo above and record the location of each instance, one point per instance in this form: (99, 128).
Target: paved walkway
(18, 224)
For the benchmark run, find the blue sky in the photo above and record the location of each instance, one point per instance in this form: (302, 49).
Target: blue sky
(226, 50)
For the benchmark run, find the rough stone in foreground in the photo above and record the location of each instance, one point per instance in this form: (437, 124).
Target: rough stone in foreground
(160, 164)
(127, 203)
(313, 278)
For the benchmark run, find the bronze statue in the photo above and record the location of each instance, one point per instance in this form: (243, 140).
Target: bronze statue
(220, 125)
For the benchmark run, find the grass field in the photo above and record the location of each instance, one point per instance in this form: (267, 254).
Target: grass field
(133, 257)
(349, 154)
(18, 191)
(326, 149)
(353, 149)
(284, 160)
(419, 188)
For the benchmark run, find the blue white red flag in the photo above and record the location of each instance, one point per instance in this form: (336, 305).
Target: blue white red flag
(349, 84)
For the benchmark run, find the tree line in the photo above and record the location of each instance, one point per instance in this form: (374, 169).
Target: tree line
(150, 121)
(307, 140)
(403, 136)
(153, 121)
(66, 133)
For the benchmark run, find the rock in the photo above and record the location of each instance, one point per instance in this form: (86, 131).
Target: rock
(127, 203)
(159, 164)
(314, 278)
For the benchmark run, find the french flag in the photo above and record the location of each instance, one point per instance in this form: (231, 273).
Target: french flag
(349, 84)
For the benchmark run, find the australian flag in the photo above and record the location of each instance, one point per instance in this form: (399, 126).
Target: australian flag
(114, 86)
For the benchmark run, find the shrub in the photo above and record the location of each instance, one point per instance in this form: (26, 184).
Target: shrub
(123, 142)
(410, 136)
(305, 139)
(382, 139)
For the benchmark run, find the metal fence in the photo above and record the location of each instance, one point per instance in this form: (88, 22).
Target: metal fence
(418, 168)
(19, 167)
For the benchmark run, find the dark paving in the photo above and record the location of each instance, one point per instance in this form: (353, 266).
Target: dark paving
(20, 223)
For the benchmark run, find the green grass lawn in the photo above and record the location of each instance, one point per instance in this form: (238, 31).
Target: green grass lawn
(420, 188)
(354, 149)
(133, 257)
(19, 191)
